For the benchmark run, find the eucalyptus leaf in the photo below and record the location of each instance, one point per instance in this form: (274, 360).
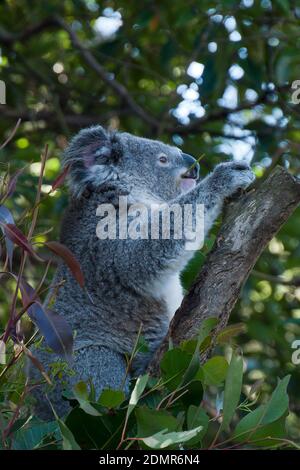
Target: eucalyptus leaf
(165, 439)
(150, 422)
(111, 398)
(81, 394)
(233, 388)
(214, 371)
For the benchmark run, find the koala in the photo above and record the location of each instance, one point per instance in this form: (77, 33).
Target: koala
(133, 284)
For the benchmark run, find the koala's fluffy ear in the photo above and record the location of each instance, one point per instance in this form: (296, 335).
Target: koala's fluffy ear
(92, 156)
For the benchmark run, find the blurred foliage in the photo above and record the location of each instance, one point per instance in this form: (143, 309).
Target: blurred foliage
(240, 106)
(169, 412)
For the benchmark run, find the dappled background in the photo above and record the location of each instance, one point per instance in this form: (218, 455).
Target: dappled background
(213, 78)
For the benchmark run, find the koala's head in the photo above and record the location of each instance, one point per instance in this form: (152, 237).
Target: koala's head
(148, 170)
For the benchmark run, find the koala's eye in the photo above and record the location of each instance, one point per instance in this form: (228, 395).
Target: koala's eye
(163, 159)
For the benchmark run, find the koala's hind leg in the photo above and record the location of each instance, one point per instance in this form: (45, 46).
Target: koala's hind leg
(104, 367)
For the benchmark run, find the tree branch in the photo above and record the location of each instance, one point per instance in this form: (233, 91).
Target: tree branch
(50, 117)
(294, 282)
(249, 224)
(106, 77)
(7, 38)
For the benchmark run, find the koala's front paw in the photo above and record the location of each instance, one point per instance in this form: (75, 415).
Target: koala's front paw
(229, 177)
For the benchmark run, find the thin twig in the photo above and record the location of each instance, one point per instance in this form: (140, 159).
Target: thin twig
(11, 135)
(295, 282)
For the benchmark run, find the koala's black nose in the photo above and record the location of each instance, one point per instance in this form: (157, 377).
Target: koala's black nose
(193, 167)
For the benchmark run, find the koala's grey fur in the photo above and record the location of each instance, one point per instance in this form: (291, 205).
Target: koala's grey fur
(131, 282)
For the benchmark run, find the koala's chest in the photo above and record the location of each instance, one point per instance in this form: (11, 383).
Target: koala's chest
(167, 287)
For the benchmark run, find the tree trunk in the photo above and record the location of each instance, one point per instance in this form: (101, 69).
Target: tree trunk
(249, 224)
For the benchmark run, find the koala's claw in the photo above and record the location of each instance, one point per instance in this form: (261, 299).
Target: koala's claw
(240, 166)
(231, 177)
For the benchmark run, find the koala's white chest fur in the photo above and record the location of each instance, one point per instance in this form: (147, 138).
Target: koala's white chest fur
(167, 286)
(169, 289)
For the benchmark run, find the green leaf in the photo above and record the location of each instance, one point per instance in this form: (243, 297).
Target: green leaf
(29, 437)
(233, 388)
(173, 366)
(96, 432)
(136, 393)
(196, 416)
(111, 398)
(177, 365)
(81, 390)
(214, 371)
(279, 401)
(265, 414)
(82, 395)
(163, 439)
(249, 423)
(69, 442)
(192, 368)
(260, 435)
(150, 422)
(270, 434)
(191, 345)
(192, 393)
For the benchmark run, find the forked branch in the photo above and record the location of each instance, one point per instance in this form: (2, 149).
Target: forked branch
(249, 224)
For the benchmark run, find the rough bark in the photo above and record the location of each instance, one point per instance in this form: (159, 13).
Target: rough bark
(249, 224)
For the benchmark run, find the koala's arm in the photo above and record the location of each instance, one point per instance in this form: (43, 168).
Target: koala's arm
(212, 191)
(152, 256)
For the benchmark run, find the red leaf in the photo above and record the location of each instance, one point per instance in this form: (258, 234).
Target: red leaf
(16, 236)
(36, 363)
(56, 331)
(60, 179)
(28, 293)
(63, 252)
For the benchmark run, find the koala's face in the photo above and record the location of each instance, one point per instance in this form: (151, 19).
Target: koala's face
(149, 169)
(156, 169)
